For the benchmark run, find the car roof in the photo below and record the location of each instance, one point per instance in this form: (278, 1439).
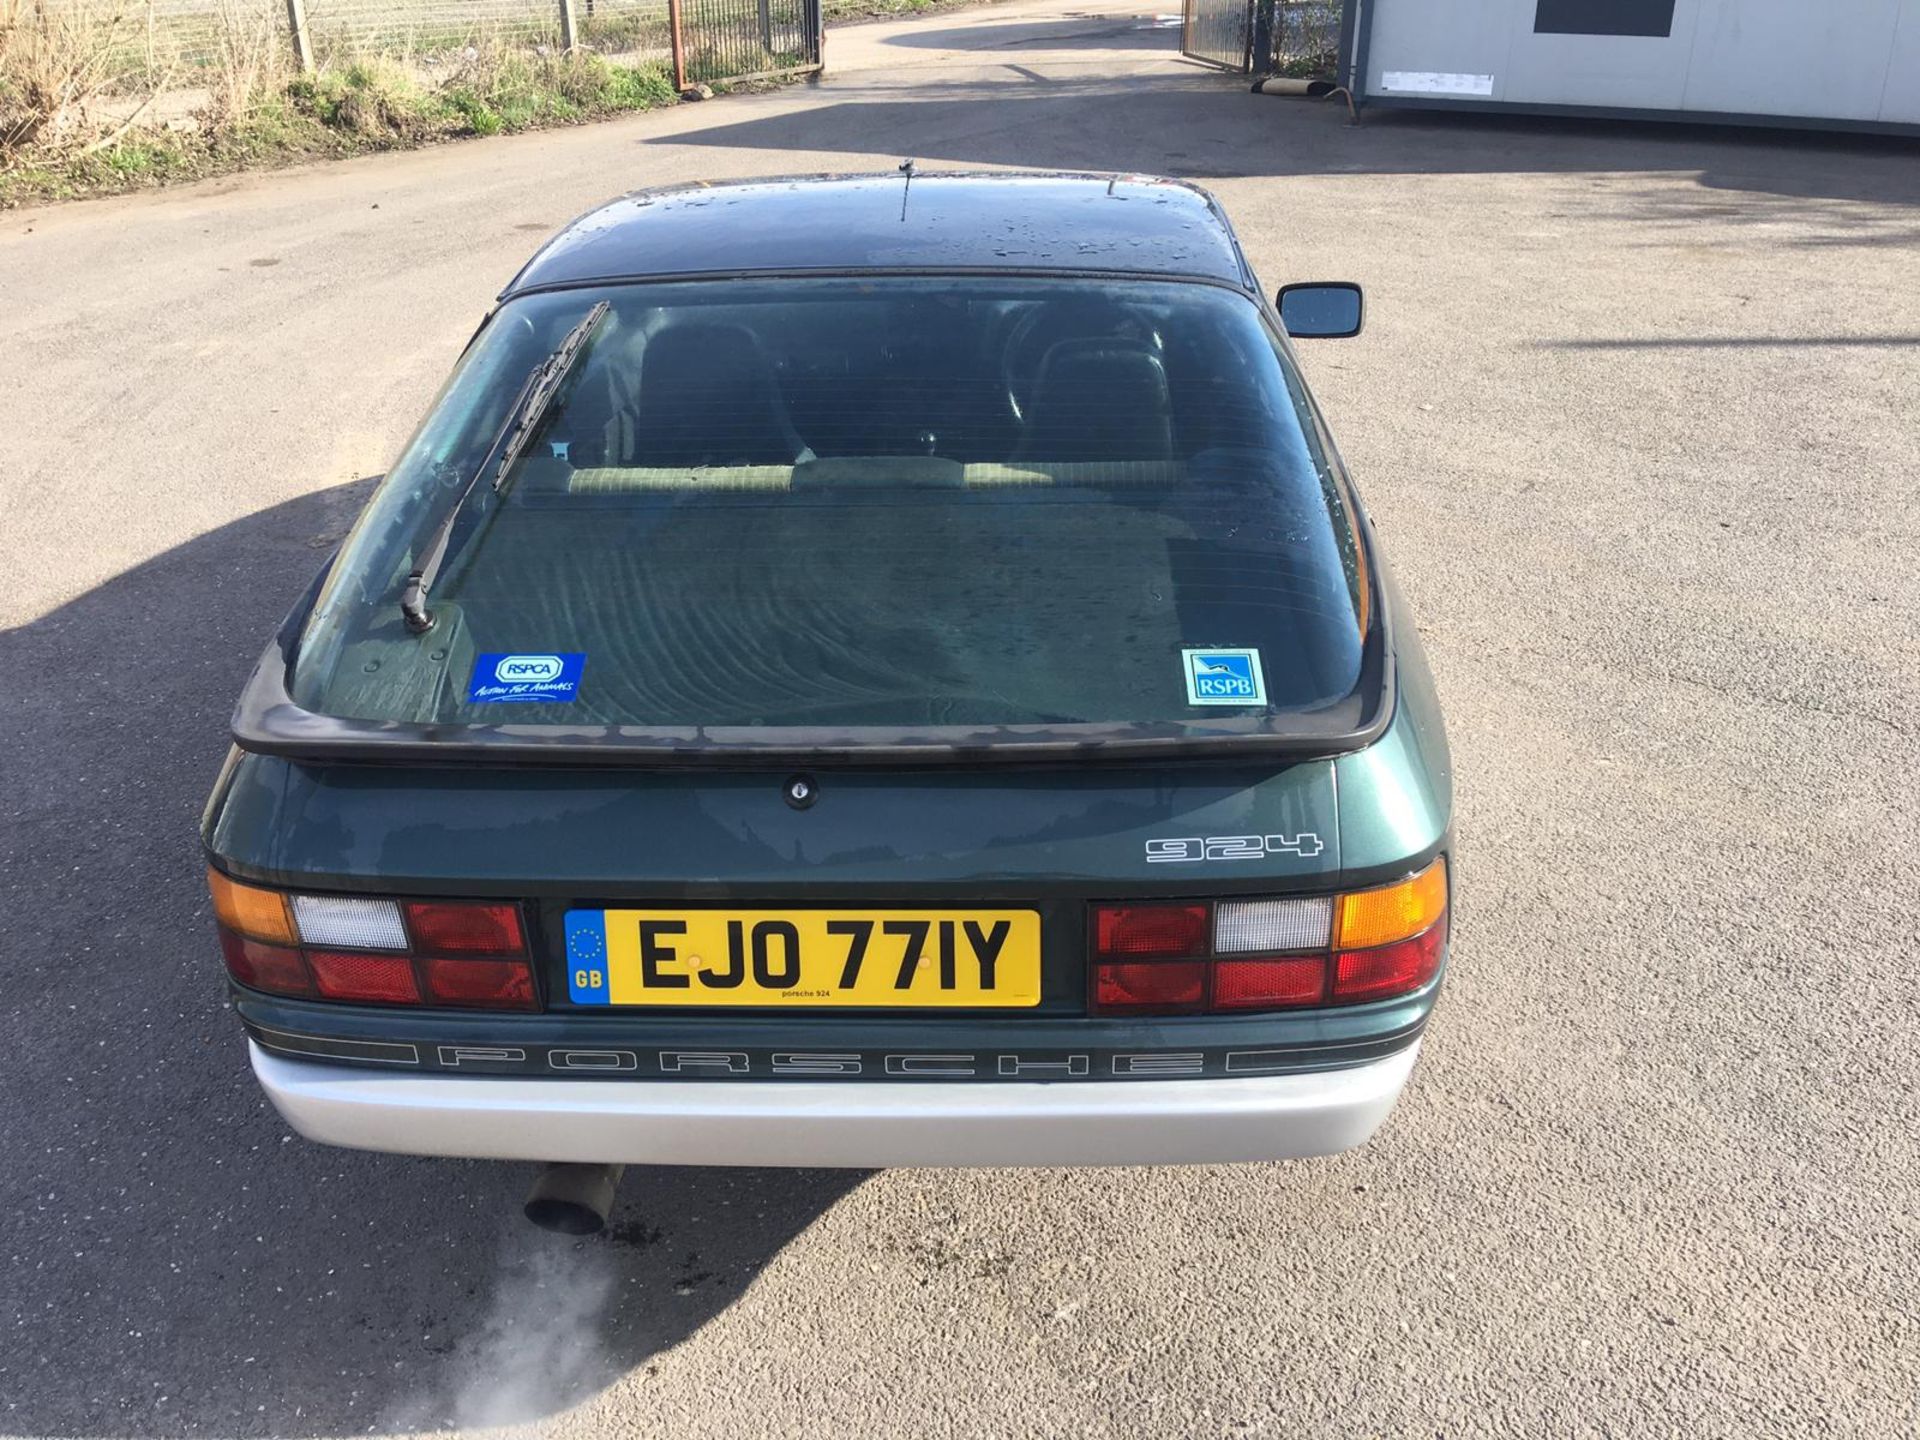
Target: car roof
(980, 221)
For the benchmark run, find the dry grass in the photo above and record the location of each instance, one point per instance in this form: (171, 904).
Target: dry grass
(269, 118)
(56, 64)
(79, 80)
(249, 57)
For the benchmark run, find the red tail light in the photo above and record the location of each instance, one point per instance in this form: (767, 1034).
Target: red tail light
(449, 929)
(1270, 984)
(494, 984)
(375, 951)
(1169, 931)
(1321, 950)
(1161, 986)
(278, 968)
(378, 979)
(1390, 969)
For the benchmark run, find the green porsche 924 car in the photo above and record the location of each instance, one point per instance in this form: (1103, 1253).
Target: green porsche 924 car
(864, 671)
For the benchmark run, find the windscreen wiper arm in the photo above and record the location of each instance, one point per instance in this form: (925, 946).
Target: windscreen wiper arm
(523, 418)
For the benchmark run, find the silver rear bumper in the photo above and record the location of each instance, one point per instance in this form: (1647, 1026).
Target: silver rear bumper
(815, 1123)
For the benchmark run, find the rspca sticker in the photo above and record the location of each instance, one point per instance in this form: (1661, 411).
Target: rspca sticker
(1224, 677)
(545, 678)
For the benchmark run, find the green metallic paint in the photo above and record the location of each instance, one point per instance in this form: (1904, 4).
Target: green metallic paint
(1396, 795)
(540, 830)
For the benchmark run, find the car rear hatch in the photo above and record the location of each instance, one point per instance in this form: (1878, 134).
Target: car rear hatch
(560, 845)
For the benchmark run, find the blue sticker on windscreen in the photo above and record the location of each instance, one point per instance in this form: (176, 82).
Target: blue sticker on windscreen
(521, 676)
(1224, 677)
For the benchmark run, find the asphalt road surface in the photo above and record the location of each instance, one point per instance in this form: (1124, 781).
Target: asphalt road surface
(1636, 410)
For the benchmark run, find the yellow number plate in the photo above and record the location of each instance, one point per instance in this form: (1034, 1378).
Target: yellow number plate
(917, 958)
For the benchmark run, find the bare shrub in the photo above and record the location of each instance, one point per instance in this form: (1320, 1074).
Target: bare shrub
(249, 57)
(56, 61)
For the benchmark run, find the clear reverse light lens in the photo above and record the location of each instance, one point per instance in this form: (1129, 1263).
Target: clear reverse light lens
(1243, 926)
(349, 924)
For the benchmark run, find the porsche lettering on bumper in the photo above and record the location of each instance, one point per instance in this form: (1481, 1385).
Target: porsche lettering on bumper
(624, 1062)
(864, 1122)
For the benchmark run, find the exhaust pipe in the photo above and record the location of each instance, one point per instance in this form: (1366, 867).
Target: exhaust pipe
(574, 1199)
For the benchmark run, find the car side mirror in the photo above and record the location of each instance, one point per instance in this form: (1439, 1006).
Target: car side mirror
(1322, 309)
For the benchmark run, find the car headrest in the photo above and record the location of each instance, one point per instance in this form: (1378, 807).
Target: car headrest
(1100, 399)
(709, 396)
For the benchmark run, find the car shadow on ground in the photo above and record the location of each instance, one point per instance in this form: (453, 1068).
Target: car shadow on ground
(1203, 125)
(211, 1272)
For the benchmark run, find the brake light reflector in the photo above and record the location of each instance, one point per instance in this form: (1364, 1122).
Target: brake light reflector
(1158, 985)
(277, 968)
(1269, 984)
(1269, 953)
(1393, 912)
(383, 979)
(253, 912)
(469, 953)
(446, 927)
(1171, 931)
(492, 984)
(349, 923)
(1394, 969)
(1242, 925)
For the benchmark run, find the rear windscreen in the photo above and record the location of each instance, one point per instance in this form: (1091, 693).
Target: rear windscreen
(913, 502)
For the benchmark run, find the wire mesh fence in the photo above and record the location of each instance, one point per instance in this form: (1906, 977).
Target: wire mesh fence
(427, 29)
(168, 44)
(152, 44)
(625, 27)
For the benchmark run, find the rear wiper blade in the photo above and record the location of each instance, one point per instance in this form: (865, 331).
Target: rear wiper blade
(523, 418)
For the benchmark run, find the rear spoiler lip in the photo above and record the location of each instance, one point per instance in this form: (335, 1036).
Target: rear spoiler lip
(267, 721)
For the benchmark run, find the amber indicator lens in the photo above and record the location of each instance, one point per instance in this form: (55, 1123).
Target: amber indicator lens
(1393, 912)
(256, 913)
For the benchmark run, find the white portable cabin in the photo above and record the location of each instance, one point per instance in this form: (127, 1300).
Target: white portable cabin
(1837, 64)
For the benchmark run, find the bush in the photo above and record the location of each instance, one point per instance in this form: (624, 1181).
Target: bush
(362, 103)
(56, 61)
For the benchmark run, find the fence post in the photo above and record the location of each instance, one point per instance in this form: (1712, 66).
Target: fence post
(1260, 44)
(568, 37)
(679, 46)
(766, 27)
(297, 27)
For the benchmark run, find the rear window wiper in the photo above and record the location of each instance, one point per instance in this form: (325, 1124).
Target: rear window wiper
(523, 418)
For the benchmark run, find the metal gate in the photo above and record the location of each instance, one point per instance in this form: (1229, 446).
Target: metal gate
(1218, 32)
(743, 39)
(1268, 37)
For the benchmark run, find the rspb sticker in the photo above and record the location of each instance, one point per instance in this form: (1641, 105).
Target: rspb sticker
(545, 678)
(1224, 677)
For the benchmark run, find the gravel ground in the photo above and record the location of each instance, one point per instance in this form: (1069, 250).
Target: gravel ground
(1635, 411)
